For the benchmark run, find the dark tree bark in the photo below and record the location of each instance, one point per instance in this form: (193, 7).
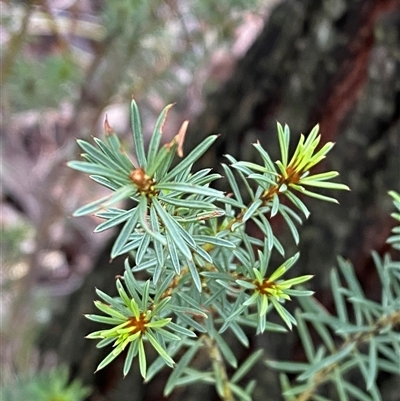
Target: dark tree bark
(335, 63)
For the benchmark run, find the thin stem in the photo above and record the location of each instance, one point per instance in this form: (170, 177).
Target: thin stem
(14, 46)
(323, 375)
(222, 379)
(266, 196)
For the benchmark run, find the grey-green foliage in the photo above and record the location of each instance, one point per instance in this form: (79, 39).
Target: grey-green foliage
(161, 43)
(35, 82)
(158, 43)
(52, 385)
(362, 335)
(202, 273)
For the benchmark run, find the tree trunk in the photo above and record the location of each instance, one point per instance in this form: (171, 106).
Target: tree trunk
(333, 63)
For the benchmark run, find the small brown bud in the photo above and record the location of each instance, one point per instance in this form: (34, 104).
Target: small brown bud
(138, 176)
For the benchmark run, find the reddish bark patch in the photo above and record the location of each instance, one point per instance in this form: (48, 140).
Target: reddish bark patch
(353, 73)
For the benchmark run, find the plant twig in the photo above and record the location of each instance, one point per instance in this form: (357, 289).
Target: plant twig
(322, 375)
(214, 353)
(14, 47)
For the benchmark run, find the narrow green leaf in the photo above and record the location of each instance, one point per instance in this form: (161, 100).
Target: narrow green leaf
(95, 169)
(187, 319)
(180, 367)
(104, 182)
(313, 194)
(266, 228)
(107, 360)
(262, 305)
(356, 392)
(91, 207)
(275, 205)
(119, 158)
(225, 349)
(283, 137)
(283, 313)
(292, 227)
(297, 155)
(324, 333)
(157, 133)
(232, 182)
(217, 241)
(117, 152)
(338, 297)
(265, 156)
(242, 177)
(118, 219)
(284, 267)
(193, 156)
(295, 281)
(97, 335)
(239, 333)
(372, 362)
(143, 218)
(104, 342)
(321, 176)
(320, 155)
(290, 367)
(348, 272)
(265, 180)
(142, 359)
(171, 227)
(132, 351)
(252, 209)
(103, 319)
(189, 189)
(285, 384)
(248, 167)
(194, 376)
(238, 391)
(158, 246)
(100, 157)
(323, 184)
(173, 254)
(113, 302)
(299, 293)
(161, 351)
(120, 194)
(181, 330)
(159, 362)
(330, 360)
(187, 203)
(145, 295)
(246, 366)
(195, 274)
(186, 236)
(143, 248)
(130, 282)
(138, 135)
(122, 293)
(246, 284)
(134, 307)
(124, 234)
(109, 309)
(298, 203)
(305, 337)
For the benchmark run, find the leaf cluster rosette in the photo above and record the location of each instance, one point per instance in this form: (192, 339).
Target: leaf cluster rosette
(136, 317)
(167, 201)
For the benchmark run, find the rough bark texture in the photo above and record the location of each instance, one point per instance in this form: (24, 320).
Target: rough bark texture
(332, 62)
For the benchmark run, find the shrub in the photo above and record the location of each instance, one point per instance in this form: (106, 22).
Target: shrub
(193, 271)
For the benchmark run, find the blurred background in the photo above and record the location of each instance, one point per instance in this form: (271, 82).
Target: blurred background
(233, 67)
